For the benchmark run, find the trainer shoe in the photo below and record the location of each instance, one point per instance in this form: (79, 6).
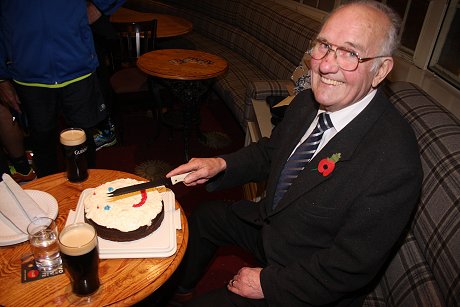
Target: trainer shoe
(104, 138)
(21, 178)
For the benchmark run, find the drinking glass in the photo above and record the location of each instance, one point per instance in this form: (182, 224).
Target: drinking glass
(43, 238)
(80, 255)
(73, 141)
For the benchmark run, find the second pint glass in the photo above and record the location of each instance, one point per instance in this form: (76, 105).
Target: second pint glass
(73, 141)
(79, 253)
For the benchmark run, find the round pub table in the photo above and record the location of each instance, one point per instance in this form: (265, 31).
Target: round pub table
(124, 282)
(188, 74)
(167, 25)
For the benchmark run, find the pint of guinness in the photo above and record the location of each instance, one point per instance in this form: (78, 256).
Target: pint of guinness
(79, 253)
(73, 141)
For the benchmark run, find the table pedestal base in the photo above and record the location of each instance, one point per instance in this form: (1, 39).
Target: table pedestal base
(190, 92)
(188, 74)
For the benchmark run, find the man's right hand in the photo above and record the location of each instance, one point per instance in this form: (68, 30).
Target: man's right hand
(8, 96)
(202, 169)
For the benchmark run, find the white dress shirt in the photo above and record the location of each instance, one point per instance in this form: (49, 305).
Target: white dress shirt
(339, 119)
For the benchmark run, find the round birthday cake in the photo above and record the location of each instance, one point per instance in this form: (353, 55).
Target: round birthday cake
(127, 217)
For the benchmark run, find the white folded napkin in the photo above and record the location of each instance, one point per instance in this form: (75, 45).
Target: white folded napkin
(74, 218)
(16, 205)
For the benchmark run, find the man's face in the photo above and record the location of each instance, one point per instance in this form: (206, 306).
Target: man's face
(359, 29)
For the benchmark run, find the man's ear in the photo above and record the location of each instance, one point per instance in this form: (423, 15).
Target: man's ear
(385, 67)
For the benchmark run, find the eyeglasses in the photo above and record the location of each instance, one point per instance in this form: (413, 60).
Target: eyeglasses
(346, 59)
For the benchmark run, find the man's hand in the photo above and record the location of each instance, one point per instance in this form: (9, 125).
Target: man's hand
(247, 283)
(93, 12)
(8, 96)
(202, 169)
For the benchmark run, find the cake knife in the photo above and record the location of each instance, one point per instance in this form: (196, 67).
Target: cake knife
(149, 184)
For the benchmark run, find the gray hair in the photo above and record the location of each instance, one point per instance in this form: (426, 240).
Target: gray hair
(391, 42)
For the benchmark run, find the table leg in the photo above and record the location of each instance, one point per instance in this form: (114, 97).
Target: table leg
(190, 92)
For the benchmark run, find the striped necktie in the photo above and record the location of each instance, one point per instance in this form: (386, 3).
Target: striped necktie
(301, 156)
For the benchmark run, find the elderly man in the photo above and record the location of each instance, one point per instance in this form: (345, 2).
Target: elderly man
(343, 177)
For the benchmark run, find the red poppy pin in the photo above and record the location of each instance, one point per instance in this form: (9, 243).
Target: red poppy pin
(327, 165)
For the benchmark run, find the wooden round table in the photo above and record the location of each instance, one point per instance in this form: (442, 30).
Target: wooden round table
(182, 64)
(188, 74)
(123, 281)
(167, 25)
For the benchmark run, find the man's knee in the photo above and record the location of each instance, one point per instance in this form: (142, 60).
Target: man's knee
(208, 217)
(208, 211)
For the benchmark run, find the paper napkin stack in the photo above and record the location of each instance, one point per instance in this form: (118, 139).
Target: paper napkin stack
(16, 205)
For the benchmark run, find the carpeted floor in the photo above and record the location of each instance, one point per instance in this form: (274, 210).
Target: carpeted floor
(144, 154)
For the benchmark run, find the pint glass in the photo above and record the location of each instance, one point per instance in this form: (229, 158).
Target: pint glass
(80, 256)
(73, 141)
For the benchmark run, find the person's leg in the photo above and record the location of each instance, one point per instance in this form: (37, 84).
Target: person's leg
(83, 107)
(39, 104)
(45, 147)
(104, 37)
(212, 225)
(11, 135)
(12, 138)
(224, 298)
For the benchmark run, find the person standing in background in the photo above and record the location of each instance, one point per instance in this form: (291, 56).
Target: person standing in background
(48, 59)
(105, 38)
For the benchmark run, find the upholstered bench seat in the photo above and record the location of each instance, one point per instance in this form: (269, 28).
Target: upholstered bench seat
(425, 270)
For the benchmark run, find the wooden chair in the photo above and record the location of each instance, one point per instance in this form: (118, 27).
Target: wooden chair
(127, 81)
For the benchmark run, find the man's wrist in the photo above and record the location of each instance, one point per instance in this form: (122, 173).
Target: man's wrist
(222, 164)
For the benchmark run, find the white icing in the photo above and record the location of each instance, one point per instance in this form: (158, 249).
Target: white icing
(121, 214)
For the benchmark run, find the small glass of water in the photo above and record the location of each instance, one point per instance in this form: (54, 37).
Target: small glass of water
(43, 237)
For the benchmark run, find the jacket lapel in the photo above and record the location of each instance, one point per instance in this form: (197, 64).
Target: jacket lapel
(296, 130)
(345, 142)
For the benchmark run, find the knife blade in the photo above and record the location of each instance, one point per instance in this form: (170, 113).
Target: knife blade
(149, 184)
(140, 187)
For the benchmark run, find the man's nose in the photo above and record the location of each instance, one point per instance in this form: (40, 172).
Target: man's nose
(329, 62)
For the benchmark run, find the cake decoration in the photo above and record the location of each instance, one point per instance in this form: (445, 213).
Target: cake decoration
(124, 218)
(143, 199)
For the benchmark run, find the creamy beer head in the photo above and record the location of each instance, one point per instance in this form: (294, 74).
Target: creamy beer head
(77, 239)
(73, 137)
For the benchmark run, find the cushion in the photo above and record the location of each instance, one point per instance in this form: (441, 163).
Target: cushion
(284, 30)
(436, 224)
(408, 281)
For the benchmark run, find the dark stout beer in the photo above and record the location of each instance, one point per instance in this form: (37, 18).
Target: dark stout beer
(79, 253)
(73, 141)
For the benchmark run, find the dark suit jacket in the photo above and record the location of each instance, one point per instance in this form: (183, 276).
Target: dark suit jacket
(329, 236)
